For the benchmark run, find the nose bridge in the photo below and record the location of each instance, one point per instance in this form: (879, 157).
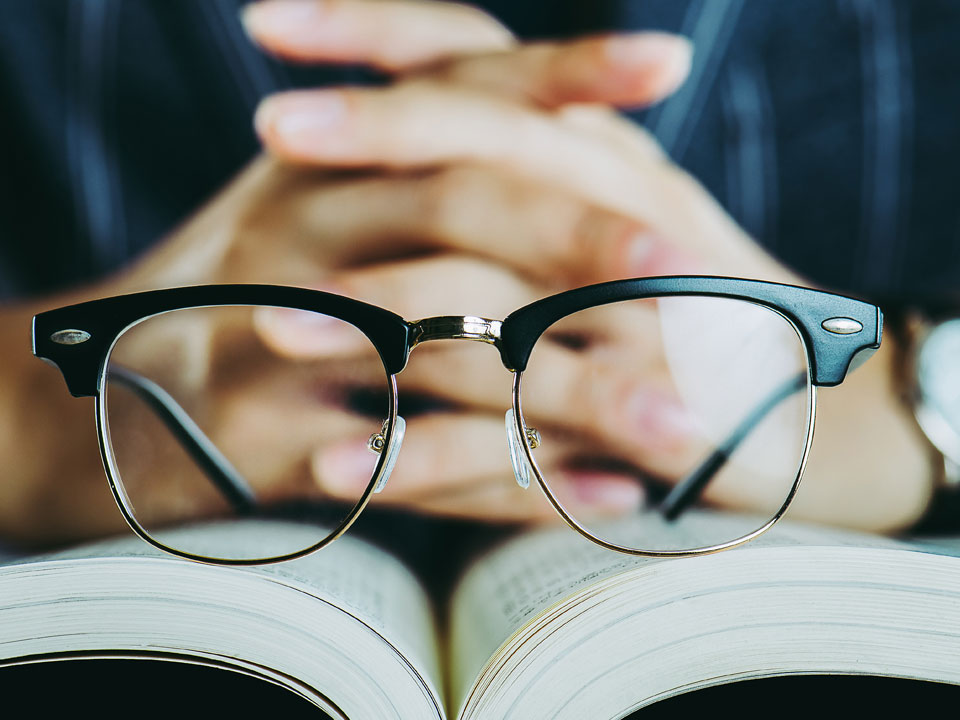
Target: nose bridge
(455, 327)
(471, 327)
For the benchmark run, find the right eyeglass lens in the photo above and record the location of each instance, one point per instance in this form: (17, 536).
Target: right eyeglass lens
(704, 402)
(219, 414)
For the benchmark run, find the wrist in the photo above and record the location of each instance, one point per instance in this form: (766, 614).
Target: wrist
(870, 467)
(49, 455)
(928, 374)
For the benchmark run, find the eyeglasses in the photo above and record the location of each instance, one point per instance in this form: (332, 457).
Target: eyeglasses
(201, 419)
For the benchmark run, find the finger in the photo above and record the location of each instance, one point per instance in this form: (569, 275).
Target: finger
(621, 132)
(623, 400)
(629, 410)
(423, 125)
(621, 396)
(445, 285)
(492, 499)
(435, 286)
(263, 428)
(622, 70)
(440, 451)
(498, 499)
(470, 375)
(459, 465)
(459, 374)
(540, 231)
(303, 334)
(625, 329)
(392, 35)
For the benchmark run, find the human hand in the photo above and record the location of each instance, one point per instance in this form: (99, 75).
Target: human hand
(511, 119)
(367, 209)
(487, 205)
(553, 233)
(264, 228)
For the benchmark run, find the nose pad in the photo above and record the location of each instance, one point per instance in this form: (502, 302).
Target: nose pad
(518, 456)
(376, 444)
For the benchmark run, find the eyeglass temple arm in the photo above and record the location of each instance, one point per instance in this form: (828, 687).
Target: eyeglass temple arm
(689, 489)
(214, 464)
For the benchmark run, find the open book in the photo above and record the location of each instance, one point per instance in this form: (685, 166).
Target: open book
(546, 626)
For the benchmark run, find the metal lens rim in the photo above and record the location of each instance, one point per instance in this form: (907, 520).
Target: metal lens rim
(126, 506)
(692, 552)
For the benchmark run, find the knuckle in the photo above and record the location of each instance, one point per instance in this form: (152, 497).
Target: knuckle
(678, 183)
(558, 220)
(594, 236)
(592, 391)
(446, 200)
(589, 229)
(336, 7)
(489, 32)
(646, 141)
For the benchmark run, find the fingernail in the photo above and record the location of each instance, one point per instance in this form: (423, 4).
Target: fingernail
(649, 254)
(277, 17)
(297, 319)
(305, 333)
(649, 47)
(657, 62)
(301, 120)
(344, 470)
(604, 492)
(641, 248)
(659, 420)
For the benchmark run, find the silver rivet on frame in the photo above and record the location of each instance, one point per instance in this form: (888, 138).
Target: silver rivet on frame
(842, 326)
(70, 337)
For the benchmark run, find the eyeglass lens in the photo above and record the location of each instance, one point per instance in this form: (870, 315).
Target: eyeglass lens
(204, 421)
(701, 400)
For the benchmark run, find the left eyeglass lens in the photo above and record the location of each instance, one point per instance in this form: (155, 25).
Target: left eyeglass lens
(219, 413)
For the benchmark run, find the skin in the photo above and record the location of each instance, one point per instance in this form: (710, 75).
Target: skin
(487, 174)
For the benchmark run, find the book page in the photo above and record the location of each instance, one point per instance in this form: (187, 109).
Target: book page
(361, 579)
(505, 590)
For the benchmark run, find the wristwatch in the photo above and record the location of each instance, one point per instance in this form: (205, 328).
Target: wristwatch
(936, 378)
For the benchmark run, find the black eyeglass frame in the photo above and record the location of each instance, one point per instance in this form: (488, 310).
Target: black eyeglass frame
(78, 339)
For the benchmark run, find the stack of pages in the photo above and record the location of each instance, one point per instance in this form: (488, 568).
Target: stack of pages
(546, 626)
